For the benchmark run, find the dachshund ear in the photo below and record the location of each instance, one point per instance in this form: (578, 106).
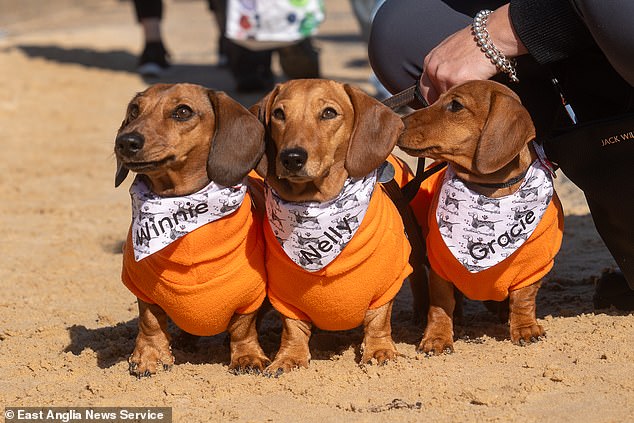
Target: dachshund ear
(262, 110)
(507, 130)
(238, 142)
(120, 174)
(374, 135)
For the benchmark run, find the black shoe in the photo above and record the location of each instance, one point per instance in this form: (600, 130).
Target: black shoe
(613, 290)
(153, 62)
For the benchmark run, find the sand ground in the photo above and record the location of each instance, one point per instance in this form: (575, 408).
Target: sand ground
(67, 324)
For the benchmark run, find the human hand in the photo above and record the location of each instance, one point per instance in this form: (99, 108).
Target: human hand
(458, 58)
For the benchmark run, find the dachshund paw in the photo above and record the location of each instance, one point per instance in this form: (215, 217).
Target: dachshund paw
(525, 335)
(250, 363)
(284, 365)
(147, 360)
(435, 345)
(381, 356)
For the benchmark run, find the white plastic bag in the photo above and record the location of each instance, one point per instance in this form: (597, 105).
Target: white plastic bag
(266, 24)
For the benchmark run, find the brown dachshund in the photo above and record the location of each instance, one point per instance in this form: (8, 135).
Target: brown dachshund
(324, 143)
(493, 221)
(194, 251)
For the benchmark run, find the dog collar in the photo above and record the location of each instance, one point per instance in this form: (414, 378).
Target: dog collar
(481, 231)
(541, 156)
(313, 234)
(159, 221)
(499, 185)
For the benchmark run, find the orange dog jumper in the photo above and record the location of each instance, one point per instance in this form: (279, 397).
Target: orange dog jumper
(527, 265)
(367, 274)
(206, 276)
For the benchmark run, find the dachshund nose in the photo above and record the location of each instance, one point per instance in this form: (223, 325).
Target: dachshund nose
(129, 144)
(293, 159)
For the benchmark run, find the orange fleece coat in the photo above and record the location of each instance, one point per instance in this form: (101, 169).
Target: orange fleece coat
(206, 276)
(527, 265)
(366, 275)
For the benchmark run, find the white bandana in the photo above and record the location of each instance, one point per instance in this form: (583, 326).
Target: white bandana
(313, 234)
(480, 231)
(159, 221)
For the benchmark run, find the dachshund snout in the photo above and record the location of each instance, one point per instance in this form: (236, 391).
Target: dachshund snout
(129, 144)
(294, 159)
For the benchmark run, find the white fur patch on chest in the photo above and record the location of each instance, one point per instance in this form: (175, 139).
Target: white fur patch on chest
(480, 231)
(159, 221)
(313, 234)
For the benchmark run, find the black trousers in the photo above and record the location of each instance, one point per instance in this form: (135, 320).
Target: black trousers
(404, 31)
(148, 9)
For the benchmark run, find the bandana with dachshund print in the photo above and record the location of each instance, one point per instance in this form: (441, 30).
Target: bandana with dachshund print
(480, 231)
(312, 234)
(159, 221)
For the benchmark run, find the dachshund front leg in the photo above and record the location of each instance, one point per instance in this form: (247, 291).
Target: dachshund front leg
(522, 318)
(246, 353)
(152, 349)
(377, 340)
(438, 337)
(294, 351)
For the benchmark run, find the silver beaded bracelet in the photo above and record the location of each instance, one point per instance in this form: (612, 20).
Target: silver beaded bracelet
(483, 40)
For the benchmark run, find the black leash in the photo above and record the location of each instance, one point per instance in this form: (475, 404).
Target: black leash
(405, 97)
(401, 99)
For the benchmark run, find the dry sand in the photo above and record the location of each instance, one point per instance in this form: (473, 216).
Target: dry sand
(67, 323)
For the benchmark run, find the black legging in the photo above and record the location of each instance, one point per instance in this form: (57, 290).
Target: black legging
(404, 31)
(154, 8)
(148, 9)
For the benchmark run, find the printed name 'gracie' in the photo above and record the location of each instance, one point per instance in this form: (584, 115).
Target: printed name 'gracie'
(149, 229)
(334, 237)
(480, 250)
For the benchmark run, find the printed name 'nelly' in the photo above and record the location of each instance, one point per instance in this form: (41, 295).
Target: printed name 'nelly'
(334, 237)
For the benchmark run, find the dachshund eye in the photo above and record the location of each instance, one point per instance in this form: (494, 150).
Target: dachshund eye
(278, 114)
(133, 112)
(328, 113)
(454, 106)
(182, 113)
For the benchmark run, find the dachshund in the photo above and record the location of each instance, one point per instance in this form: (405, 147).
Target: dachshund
(324, 143)
(486, 136)
(194, 251)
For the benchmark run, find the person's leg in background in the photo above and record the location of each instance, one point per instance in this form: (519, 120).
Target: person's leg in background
(154, 59)
(300, 60)
(402, 33)
(364, 11)
(250, 69)
(219, 10)
(606, 181)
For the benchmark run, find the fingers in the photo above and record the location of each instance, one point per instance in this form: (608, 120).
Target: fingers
(455, 60)
(427, 88)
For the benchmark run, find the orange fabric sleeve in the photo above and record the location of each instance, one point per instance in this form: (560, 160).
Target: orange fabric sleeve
(203, 278)
(368, 273)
